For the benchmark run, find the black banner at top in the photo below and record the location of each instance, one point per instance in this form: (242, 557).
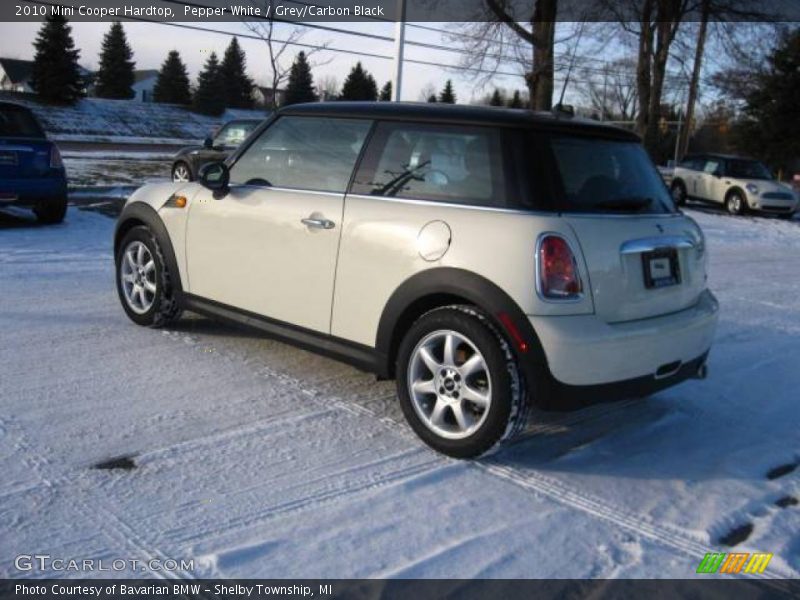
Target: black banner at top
(321, 11)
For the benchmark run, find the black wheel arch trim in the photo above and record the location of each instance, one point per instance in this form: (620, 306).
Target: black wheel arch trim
(135, 213)
(448, 282)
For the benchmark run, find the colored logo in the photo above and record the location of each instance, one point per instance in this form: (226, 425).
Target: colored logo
(734, 562)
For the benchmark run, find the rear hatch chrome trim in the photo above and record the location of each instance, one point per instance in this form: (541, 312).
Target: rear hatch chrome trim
(652, 244)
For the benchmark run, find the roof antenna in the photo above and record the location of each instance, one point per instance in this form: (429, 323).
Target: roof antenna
(560, 108)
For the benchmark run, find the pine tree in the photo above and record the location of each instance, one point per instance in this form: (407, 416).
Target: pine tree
(172, 85)
(300, 87)
(209, 98)
(497, 98)
(238, 86)
(386, 92)
(432, 99)
(516, 100)
(448, 96)
(359, 85)
(115, 77)
(56, 75)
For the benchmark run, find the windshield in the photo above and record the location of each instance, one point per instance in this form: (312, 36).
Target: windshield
(18, 122)
(608, 176)
(234, 133)
(747, 169)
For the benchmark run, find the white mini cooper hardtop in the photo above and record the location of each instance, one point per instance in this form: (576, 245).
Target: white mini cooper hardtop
(487, 259)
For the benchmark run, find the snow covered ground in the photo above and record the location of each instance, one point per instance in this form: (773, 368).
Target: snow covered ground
(256, 459)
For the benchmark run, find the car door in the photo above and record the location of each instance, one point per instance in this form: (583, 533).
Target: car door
(269, 245)
(707, 179)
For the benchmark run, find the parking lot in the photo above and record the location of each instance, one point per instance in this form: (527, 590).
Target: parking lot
(254, 459)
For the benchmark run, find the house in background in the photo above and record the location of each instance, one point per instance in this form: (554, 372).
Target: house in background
(15, 75)
(263, 96)
(143, 83)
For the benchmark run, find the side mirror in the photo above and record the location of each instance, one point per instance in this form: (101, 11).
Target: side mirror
(717, 173)
(215, 176)
(208, 143)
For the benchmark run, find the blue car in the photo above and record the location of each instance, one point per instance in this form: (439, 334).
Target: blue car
(31, 171)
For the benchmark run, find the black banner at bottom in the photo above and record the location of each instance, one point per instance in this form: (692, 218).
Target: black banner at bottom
(374, 589)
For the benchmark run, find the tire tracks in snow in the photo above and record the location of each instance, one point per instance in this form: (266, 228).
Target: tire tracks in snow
(666, 535)
(121, 533)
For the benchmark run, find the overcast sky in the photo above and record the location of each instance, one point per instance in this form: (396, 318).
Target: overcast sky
(151, 42)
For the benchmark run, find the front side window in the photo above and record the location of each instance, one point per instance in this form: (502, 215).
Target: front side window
(712, 166)
(308, 153)
(234, 133)
(603, 175)
(443, 163)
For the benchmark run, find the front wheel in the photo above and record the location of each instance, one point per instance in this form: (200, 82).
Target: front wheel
(735, 203)
(144, 282)
(458, 383)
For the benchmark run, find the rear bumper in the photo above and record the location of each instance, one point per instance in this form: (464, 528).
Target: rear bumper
(29, 191)
(584, 351)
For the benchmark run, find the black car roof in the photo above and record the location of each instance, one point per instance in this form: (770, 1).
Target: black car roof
(460, 114)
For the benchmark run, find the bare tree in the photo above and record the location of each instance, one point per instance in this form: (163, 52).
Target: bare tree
(611, 90)
(501, 36)
(265, 29)
(426, 92)
(327, 87)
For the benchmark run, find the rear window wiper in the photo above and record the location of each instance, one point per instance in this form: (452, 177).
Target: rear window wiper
(631, 203)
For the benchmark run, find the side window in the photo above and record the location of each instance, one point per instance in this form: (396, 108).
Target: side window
(711, 166)
(309, 153)
(463, 165)
(233, 134)
(692, 162)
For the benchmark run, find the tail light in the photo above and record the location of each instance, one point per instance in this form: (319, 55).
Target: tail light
(55, 158)
(558, 276)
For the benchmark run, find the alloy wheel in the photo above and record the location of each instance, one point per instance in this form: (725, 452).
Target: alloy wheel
(449, 384)
(138, 277)
(181, 173)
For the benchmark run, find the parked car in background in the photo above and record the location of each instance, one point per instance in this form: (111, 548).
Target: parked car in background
(487, 259)
(188, 161)
(740, 184)
(667, 172)
(31, 171)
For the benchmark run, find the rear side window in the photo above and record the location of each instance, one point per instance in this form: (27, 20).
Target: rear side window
(306, 153)
(18, 122)
(442, 163)
(607, 176)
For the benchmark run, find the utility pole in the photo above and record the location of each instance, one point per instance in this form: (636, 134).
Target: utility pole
(399, 40)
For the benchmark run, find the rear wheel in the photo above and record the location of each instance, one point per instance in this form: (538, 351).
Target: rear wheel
(679, 193)
(181, 172)
(144, 282)
(458, 383)
(51, 210)
(735, 203)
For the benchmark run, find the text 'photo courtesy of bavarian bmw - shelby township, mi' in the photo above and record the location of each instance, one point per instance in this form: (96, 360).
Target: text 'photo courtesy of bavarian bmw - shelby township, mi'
(477, 299)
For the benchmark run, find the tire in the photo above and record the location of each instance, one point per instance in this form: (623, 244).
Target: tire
(442, 408)
(155, 305)
(679, 194)
(735, 203)
(181, 172)
(51, 211)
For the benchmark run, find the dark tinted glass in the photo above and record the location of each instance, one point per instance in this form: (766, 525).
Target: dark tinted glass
(18, 122)
(607, 176)
(747, 169)
(308, 153)
(441, 163)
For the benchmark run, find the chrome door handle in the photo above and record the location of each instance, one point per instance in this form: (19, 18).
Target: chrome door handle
(318, 223)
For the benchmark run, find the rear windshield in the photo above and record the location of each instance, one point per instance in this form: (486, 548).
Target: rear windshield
(18, 122)
(607, 176)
